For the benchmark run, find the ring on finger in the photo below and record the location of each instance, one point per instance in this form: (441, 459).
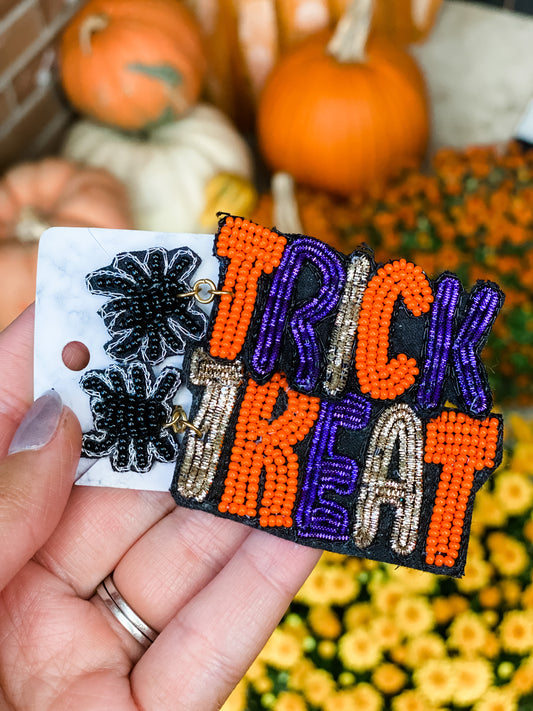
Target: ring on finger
(123, 613)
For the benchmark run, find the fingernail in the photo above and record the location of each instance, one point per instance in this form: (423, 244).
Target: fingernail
(39, 423)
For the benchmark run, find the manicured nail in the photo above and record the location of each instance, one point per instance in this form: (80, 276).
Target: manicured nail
(39, 423)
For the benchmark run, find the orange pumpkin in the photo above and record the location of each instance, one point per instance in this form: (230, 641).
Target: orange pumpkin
(245, 39)
(345, 113)
(132, 63)
(34, 196)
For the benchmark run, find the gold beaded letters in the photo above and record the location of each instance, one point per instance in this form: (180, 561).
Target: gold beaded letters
(397, 425)
(221, 382)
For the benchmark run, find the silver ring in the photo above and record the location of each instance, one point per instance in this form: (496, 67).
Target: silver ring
(119, 608)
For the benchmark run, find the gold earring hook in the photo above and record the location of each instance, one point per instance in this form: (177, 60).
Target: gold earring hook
(211, 292)
(180, 423)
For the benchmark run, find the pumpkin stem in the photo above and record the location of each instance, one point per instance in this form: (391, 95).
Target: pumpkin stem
(285, 207)
(91, 25)
(349, 39)
(177, 101)
(421, 13)
(30, 225)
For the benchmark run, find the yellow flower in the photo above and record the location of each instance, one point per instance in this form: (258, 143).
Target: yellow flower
(389, 678)
(512, 592)
(492, 646)
(318, 685)
(527, 597)
(420, 649)
(475, 547)
(360, 698)
(516, 631)
(256, 670)
(282, 650)
(414, 616)
(343, 586)
(490, 597)
(263, 685)
(522, 428)
(354, 566)
(371, 565)
(528, 530)
(358, 615)
(328, 557)
(522, 681)
(498, 541)
(257, 675)
(315, 589)
(340, 701)
(411, 700)
(487, 510)
(387, 596)
(514, 491)
(522, 456)
(472, 679)
(386, 631)
(329, 585)
(511, 558)
(359, 650)
(290, 701)
(444, 608)
(293, 624)
(467, 633)
(413, 581)
(399, 654)
(299, 674)
(435, 680)
(324, 622)
(366, 698)
(497, 700)
(477, 575)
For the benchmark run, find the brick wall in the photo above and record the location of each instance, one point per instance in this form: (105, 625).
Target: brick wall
(32, 113)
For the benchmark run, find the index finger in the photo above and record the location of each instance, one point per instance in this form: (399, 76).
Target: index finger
(16, 382)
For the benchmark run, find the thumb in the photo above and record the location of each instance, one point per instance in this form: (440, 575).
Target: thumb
(35, 480)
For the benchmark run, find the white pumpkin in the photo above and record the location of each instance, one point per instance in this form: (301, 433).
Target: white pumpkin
(167, 172)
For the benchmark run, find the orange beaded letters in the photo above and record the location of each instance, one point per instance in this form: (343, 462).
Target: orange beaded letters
(252, 250)
(342, 335)
(381, 378)
(263, 443)
(463, 445)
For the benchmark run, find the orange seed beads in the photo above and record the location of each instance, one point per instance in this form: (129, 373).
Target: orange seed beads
(384, 379)
(252, 250)
(262, 443)
(463, 445)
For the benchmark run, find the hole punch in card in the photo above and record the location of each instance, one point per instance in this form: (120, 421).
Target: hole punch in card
(111, 295)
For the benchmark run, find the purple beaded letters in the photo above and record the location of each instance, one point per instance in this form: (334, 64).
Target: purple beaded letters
(328, 473)
(482, 308)
(462, 341)
(303, 319)
(439, 342)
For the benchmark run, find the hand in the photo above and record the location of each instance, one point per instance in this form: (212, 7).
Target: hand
(214, 589)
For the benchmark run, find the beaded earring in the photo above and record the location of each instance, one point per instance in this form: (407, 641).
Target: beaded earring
(335, 402)
(320, 401)
(143, 315)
